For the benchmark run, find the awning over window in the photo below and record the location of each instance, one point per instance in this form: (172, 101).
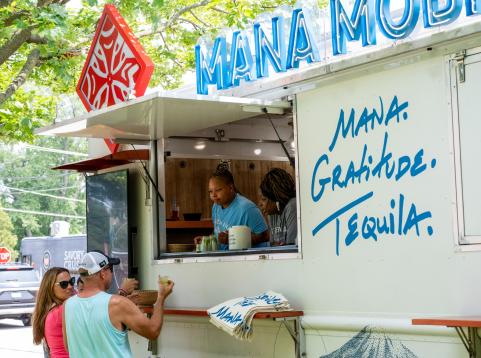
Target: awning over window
(108, 161)
(155, 116)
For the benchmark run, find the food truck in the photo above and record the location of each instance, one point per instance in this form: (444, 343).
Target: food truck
(44, 252)
(380, 105)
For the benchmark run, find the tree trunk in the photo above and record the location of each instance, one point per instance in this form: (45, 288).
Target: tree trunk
(14, 44)
(32, 61)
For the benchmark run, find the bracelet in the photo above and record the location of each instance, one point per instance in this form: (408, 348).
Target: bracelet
(122, 292)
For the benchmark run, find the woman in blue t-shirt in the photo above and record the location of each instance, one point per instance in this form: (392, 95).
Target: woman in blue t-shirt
(231, 208)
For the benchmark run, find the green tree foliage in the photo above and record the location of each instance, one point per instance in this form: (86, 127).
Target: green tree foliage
(27, 183)
(43, 44)
(7, 238)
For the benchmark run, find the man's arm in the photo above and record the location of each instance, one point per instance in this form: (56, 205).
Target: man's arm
(125, 311)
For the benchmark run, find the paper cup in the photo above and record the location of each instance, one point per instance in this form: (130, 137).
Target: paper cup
(239, 237)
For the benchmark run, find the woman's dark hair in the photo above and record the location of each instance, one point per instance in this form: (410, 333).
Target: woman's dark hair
(278, 186)
(223, 173)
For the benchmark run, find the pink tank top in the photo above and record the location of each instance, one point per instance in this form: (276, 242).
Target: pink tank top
(53, 333)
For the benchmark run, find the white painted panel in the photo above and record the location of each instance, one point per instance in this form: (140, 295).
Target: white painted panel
(407, 272)
(197, 338)
(401, 276)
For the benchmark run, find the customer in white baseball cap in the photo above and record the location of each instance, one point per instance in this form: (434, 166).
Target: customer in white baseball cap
(94, 261)
(95, 323)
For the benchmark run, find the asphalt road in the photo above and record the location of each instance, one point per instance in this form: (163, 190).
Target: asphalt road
(16, 340)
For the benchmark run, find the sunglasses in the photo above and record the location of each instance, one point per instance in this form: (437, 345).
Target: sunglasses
(64, 284)
(110, 267)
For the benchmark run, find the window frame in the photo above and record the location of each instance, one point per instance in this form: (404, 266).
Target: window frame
(463, 242)
(253, 254)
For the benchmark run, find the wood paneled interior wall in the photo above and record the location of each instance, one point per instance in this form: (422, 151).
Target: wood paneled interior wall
(187, 181)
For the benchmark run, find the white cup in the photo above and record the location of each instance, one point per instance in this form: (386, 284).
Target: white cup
(239, 237)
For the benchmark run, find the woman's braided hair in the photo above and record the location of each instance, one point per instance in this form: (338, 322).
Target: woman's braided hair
(223, 173)
(278, 186)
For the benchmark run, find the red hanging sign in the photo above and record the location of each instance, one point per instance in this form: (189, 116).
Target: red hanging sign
(116, 66)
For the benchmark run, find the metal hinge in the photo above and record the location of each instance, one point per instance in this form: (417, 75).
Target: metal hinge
(459, 58)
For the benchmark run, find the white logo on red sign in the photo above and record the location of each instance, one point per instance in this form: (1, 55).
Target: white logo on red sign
(5, 255)
(116, 66)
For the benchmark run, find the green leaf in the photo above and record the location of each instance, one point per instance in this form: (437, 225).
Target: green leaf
(26, 123)
(72, 30)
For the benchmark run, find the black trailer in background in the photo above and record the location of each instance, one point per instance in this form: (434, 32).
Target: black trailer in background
(45, 252)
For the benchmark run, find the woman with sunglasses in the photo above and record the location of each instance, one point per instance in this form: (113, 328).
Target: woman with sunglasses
(55, 288)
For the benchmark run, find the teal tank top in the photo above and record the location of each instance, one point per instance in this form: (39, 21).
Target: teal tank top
(89, 330)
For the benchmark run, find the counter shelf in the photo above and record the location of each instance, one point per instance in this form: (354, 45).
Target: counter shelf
(184, 231)
(186, 224)
(470, 339)
(293, 316)
(251, 251)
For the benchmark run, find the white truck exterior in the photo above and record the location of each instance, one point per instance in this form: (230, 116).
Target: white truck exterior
(388, 208)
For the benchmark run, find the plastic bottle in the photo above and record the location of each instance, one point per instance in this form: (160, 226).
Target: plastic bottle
(174, 210)
(213, 243)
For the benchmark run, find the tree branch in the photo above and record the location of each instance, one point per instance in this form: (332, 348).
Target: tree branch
(220, 10)
(61, 56)
(184, 9)
(16, 15)
(42, 3)
(198, 19)
(165, 42)
(5, 3)
(194, 25)
(35, 39)
(168, 49)
(14, 44)
(174, 18)
(32, 60)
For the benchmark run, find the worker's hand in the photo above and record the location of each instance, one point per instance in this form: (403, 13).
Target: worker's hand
(223, 237)
(165, 289)
(129, 285)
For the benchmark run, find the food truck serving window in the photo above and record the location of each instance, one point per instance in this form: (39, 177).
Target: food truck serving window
(467, 144)
(230, 190)
(194, 134)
